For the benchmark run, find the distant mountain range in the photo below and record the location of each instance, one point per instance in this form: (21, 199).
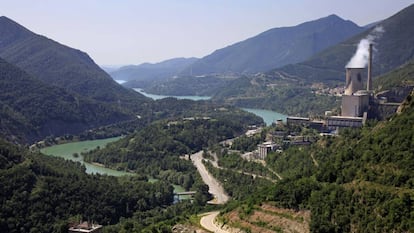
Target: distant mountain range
(392, 49)
(146, 74)
(276, 47)
(284, 89)
(268, 50)
(59, 65)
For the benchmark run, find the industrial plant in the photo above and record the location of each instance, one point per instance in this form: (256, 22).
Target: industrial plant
(358, 102)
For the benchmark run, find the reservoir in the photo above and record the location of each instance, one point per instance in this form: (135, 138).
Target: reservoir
(120, 81)
(268, 116)
(67, 150)
(157, 97)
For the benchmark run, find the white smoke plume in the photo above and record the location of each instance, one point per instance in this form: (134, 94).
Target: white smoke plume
(361, 56)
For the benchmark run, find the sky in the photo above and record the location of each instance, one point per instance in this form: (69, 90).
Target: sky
(122, 32)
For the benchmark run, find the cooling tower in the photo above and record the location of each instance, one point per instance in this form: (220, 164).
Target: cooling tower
(354, 80)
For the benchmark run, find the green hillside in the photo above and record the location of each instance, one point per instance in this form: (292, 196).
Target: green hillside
(59, 65)
(359, 181)
(32, 110)
(45, 194)
(363, 181)
(158, 146)
(401, 77)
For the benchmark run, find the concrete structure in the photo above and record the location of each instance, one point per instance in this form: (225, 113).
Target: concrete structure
(304, 122)
(355, 100)
(334, 122)
(354, 81)
(86, 227)
(369, 81)
(265, 148)
(300, 121)
(356, 104)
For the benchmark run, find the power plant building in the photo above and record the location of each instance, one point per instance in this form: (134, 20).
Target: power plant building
(355, 100)
(355, 105)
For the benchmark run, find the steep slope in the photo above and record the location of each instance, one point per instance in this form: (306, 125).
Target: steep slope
(277, 47)
(31, 110)
(359, 181)
(59, 65)
(392, 49)
(147, 73)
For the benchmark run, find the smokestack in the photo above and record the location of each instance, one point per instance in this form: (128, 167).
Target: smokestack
(369, 81)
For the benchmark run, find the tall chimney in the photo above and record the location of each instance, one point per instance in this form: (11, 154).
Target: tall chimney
(369, 81)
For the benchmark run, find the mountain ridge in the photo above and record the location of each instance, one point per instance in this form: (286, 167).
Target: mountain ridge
(60, 65)
(391, 50)
(276, 46)
(146, 74)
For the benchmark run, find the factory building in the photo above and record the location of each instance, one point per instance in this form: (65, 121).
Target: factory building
(355, 100)
(265, 148)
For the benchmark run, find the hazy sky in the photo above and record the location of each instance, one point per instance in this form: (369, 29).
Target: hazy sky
(119, 32)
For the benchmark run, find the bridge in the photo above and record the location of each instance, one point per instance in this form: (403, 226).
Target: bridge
(189, 193)
(179, 196)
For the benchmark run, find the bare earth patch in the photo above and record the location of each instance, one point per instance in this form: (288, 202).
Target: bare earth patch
(268, 219)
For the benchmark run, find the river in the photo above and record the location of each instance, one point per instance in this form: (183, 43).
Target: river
(268, 116)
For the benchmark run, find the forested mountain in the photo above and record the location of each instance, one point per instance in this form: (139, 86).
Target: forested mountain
(276, 47)
(31, 109)
(392, 48)
(59, 65)
(147, 73)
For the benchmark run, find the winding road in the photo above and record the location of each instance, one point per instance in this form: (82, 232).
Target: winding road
(215, 188)
(207, 221)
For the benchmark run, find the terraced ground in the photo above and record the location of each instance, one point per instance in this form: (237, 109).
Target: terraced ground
(268, 219)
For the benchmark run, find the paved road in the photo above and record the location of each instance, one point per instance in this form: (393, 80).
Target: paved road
(215, 188)
(207, 222)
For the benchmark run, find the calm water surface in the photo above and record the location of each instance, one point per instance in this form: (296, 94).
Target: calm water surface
(268, 116)
(67, 150)
(157, 97)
